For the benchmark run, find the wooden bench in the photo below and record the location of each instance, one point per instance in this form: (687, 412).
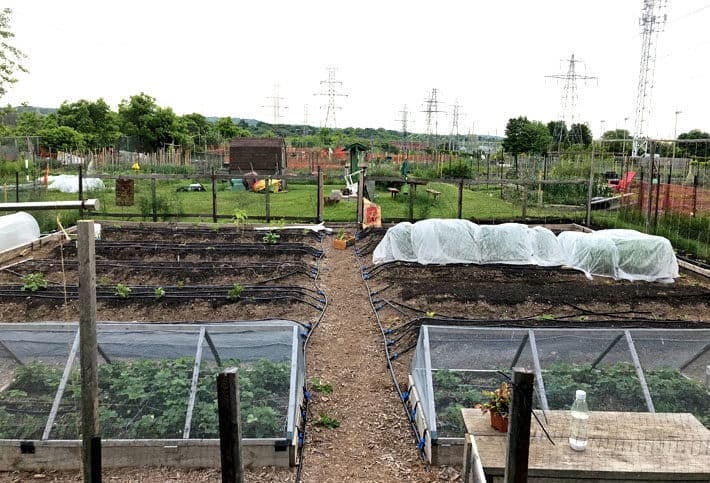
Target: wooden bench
(393, 191)
(433, 193)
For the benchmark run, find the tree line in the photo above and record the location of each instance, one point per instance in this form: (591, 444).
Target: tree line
(523, 136)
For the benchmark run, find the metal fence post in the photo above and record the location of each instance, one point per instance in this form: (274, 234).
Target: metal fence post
(268, 199)
(17, 187)
(214, 197)
(320, 201)
(460, 200)
(154, 198)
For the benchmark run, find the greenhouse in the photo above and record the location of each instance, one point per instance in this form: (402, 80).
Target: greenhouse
(634, 370)
(157, 392)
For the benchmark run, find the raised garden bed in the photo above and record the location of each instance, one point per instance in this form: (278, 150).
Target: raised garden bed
(156, 385)
(654, 370)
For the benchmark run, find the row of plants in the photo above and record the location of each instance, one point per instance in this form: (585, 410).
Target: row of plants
(145, 399)
(610, 388)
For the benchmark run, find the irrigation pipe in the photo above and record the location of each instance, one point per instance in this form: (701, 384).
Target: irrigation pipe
(306, 392)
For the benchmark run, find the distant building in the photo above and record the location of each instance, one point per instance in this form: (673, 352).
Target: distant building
(263, 155)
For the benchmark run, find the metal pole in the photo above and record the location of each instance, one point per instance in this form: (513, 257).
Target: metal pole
(214, 198)
(91, 442)
(81, 191)
(649, 202)
(230, 427)
(460, 200)
(516, 464)
(154, 198)
(17, 187)
(320, 206)
(590, 188)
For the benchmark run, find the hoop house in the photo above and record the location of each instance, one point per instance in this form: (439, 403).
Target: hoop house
(634, 370)
(157, 392)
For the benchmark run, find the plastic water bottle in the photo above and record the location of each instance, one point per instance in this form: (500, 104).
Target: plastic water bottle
(580, 419)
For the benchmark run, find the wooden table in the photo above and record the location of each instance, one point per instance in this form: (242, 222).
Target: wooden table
(622, 446)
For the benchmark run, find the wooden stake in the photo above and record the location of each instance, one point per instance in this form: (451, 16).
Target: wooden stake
(230, 428)
(91, 443)
(154, 198)
(516, 465)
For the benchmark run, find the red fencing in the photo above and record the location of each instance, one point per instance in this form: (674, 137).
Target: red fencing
(688, 200)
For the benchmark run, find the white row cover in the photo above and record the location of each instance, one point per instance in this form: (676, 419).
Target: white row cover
(69, 183)
(17, 229)
(620, 254)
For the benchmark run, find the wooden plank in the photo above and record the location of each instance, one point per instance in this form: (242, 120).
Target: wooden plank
(622, 446)
(177, 453)
(230, 427)
(62, 386)
(193, 385)
(91, 454)
(516, 464)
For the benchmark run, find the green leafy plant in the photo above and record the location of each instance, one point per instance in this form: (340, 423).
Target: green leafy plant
(498, 400)
(321, 386)
(239, 218)
(34, 281)
(145, 399)
(235, 292)
(159, 292)
(271, 238)
(341, 234)
(122, 291)
(180, 283)
(327, 422)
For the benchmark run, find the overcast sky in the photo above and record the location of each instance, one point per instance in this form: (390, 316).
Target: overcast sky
(223, 58)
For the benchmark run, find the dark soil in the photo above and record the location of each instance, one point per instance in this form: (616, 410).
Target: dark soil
(505, 292)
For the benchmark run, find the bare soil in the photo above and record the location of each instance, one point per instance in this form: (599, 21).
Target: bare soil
(374, 442)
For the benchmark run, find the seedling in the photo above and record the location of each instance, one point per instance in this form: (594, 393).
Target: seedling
(122, 291)
(159, 293)
(327, 422)
(34, 282)
(180, 283)
(341, 234)
(239, 218)
(430, 313)
(271, 238)
(321, 386)
(235, 293)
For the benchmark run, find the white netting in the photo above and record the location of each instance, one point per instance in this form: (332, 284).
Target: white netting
(69, 183)
(547, 251)
(17, 229)
(507, 243)
(444, 241)
(396, 245)
(620, 254)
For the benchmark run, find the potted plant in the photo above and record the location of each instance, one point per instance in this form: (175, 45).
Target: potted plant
(343, 240)
(498, 405)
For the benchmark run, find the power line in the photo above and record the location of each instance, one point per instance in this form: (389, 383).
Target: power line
(276, 105)
(331, 92)
(570, 97)
(652, 22)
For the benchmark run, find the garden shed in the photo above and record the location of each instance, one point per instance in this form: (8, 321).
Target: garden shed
(157, 393)
(263, 155)
(625, 370)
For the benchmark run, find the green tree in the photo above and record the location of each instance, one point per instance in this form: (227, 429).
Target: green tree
(199, 129)
(558, 133)
(700, 149)
(94, 120)
(580, 134)
(153, 126)
(516, 139)
(62, 138)
(10, 56)
(618, 141)
(29, 123)
(539, 138)
(227, 130)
